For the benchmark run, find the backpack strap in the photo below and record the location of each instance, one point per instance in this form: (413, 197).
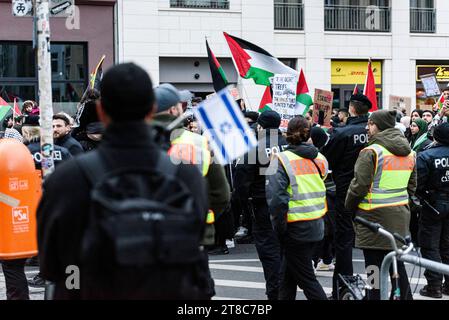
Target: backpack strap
(94, 166)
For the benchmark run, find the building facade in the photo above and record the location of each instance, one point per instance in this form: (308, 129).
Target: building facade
(76, 47)
(330, 39)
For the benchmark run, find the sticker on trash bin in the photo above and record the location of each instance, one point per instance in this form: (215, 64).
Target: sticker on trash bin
(20, 219)
(8, 200)
(13, 184)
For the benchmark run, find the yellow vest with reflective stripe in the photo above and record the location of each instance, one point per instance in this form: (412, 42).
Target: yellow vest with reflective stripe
(192, 148)
(391, 176)
(307, 190)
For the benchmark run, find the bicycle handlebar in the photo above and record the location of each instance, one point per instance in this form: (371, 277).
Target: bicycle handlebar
(374, 227)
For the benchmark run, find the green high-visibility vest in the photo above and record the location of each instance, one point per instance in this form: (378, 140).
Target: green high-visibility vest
(391, 176)
(192, 148)
(307, 190)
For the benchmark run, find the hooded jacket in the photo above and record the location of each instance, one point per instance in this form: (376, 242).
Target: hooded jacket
(343, 149)
(394, 219)
(278, 199)
(249, 179)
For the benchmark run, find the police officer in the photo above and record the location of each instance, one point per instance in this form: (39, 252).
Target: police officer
(296, 197)
(249, 182)
(433, 188)
(385, 176)
(342, 151)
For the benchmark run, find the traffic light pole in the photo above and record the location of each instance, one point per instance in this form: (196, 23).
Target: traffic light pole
(42, 16)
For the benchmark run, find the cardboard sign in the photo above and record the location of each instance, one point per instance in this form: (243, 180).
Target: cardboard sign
(322, 107)
(430, 84)
(284, 97)
(399, 103)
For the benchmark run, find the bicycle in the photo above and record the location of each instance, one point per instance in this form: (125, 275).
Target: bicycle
(402, 254)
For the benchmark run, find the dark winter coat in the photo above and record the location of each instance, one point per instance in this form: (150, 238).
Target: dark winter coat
(278, 199)
(394, 219)
(63, 210)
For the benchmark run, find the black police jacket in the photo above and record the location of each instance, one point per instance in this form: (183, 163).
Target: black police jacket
(70, 144)
(433, 172)
(343, 149)
(249, 178)
(60, 154)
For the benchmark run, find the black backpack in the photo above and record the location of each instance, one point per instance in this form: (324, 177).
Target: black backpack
(142, 237)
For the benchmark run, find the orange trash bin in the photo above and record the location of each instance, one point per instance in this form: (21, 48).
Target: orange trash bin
(20, 191)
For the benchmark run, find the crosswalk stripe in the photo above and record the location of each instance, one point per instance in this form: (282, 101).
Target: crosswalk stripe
(320, 274)
(250, 284)
(235, 260)
(261, 285)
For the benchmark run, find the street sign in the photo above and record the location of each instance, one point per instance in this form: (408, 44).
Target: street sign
(58, 8)
(22, 8)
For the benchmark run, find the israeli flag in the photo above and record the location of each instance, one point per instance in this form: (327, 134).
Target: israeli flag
(225, 127)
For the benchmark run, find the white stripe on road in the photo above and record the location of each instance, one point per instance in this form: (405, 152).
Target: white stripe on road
(236, 260)
(226, 298)
(319, 274)
(251, 285)
(261, 285)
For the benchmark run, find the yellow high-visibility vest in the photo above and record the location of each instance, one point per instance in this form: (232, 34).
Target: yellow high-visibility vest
(391, 176)
(307, 190)
(192, 148)
(210, 217)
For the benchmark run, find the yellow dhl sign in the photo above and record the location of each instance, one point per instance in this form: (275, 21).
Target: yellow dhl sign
(354, 72)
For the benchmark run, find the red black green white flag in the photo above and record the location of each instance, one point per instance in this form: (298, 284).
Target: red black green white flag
(218, 76)
(256, 63)
(440, 102)
(4, 109)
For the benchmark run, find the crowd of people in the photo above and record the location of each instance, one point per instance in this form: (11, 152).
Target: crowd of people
(138, 202)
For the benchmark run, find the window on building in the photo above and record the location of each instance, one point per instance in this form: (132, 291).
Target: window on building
(289, 14)
(422, 16)
(200, 4)
(290, 62)
(18, 71)
(357, 15)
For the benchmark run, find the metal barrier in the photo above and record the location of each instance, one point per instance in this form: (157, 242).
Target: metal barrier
(289, 16)
(357, 18)
(200, 4)
(418, 261)
(422, 20)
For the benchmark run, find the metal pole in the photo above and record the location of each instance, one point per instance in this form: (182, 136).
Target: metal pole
(42, 14)
(425, 263)
(385, 275)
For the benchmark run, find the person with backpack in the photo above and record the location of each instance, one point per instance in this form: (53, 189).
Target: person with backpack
(123, 221)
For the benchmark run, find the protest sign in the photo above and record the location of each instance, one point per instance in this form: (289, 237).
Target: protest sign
(430, 84)
(322, 107)
(400, 103)
(284, 97)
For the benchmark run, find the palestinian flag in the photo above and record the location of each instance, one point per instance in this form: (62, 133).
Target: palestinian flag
(440, 102)
(96, 75)
(4, 109)
(218, 76)
(255, 63)
(17, 111)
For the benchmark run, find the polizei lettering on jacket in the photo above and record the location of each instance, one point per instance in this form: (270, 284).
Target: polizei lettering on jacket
(441, 163)
(360, 139)
(57, 156)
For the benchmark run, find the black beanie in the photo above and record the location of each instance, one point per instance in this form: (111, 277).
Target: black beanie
(319, 137)
(126, 92)
(269, 120)
(441, 133)
(384, 119)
